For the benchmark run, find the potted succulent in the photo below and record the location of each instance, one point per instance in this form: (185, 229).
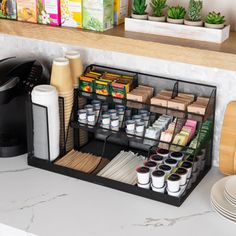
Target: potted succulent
(139, 8)
(215, 20)
(194, 13)
(176, 15)
(157, 7)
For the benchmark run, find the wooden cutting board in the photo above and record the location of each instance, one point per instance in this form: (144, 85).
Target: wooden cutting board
(228, 141)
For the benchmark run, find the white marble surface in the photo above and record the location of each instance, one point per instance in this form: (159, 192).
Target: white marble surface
(46, 51)
(49, 204)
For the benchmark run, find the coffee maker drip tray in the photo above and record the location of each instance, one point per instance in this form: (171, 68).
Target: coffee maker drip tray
(10, 145)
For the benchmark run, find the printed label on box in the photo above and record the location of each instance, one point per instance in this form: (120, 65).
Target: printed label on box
(26, 10)
(8, 9)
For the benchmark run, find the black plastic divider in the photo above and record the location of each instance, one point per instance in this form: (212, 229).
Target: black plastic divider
(108, 143)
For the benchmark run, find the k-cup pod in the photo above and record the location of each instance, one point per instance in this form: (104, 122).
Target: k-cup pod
(158, 178)
(183, 188)
(88, 108)
(189, 184)
(201, 155)
(156, 158)
(163, 152)
(202, 164)
(139, 128)
(159, 190)
(173, 182)
(174, 194)
(178, 156)
(112, 113)
(143, 174)
(151, 165)
(145, 186)
(137, 118)
(188, 166)
(130, 125)
(166, 168)
(183, 173)
(106, 119)
(91, 117)
(82, 115)
(115, 121)
(104, 107)
(171, 162)
(195, 161)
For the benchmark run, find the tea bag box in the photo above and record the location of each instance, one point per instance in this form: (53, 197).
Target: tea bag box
(27, 10)
(121, 8)
(49, 12)
(8, 9)
(98, 15)
(71, 13)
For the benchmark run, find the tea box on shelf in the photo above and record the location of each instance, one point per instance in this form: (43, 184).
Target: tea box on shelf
(71, 13)
(98, 15)
(8, 9)
(121, 8)
(27, 10)
(49, 12)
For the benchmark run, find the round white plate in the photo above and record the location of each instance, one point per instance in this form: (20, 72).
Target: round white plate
(229, 199)
(230, 187)
(222, 210)
(217, 195)
(223, 215)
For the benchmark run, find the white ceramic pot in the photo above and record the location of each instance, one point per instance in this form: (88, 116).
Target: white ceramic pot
(193, 23)
(175, 21)
(214, 26)
(139, 17)
(157, 18)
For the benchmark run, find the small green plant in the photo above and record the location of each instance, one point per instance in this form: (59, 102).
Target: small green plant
(195, 10)
(157, 7)
(177, 12)
(139, 7)
(215, 18)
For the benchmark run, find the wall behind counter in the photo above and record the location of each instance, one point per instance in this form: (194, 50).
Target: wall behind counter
(46, 51)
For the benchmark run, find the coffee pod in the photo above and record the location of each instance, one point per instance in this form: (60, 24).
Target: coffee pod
(202, 164)
(173, 182)
(151, 165)
(171, 162)
(143, 174)
(156, 158)
(158, 178)
(130, 125)
(201, 154)
(195, 161)
(145, 186)
(194, 176)
(166, 168)
(178, 156)
(182, 172)
(183, 188)
(187, 165)
(163, 152)
(159, 190)
(174, 194)
(137, 118)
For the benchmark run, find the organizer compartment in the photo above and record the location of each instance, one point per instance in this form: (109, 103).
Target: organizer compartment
(108, 143)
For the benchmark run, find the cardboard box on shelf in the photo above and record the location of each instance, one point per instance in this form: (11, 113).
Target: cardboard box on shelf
(98, 15)
(8, 9)
(71, 13)
(49, 12)
(27, 10)
(121, 8)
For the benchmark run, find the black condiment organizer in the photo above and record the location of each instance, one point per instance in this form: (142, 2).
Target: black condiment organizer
(109, 143)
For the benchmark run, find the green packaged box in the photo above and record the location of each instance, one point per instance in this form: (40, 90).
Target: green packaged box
(8, 9)
(98, 15)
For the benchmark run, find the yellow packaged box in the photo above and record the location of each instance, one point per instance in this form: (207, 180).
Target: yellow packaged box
(71, 13)
(121, 8)
(27, 10)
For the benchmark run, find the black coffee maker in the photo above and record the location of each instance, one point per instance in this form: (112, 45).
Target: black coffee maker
(17, 79)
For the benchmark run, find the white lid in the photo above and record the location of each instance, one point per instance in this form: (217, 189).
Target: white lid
(73, 54)
(42, 90)
(61, 61)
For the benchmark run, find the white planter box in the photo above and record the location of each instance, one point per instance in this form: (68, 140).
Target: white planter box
(177, 31)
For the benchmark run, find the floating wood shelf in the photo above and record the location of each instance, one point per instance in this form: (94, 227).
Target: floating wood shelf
(166, 48)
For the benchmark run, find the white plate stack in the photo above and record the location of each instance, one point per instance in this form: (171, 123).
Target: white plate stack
(223, 198)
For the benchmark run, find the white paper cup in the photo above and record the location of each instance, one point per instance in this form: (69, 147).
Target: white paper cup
(159, 190)
(173, 182)
(143, 174)
(158, 178)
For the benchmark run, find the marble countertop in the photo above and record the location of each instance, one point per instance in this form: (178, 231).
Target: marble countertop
(48, 204)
